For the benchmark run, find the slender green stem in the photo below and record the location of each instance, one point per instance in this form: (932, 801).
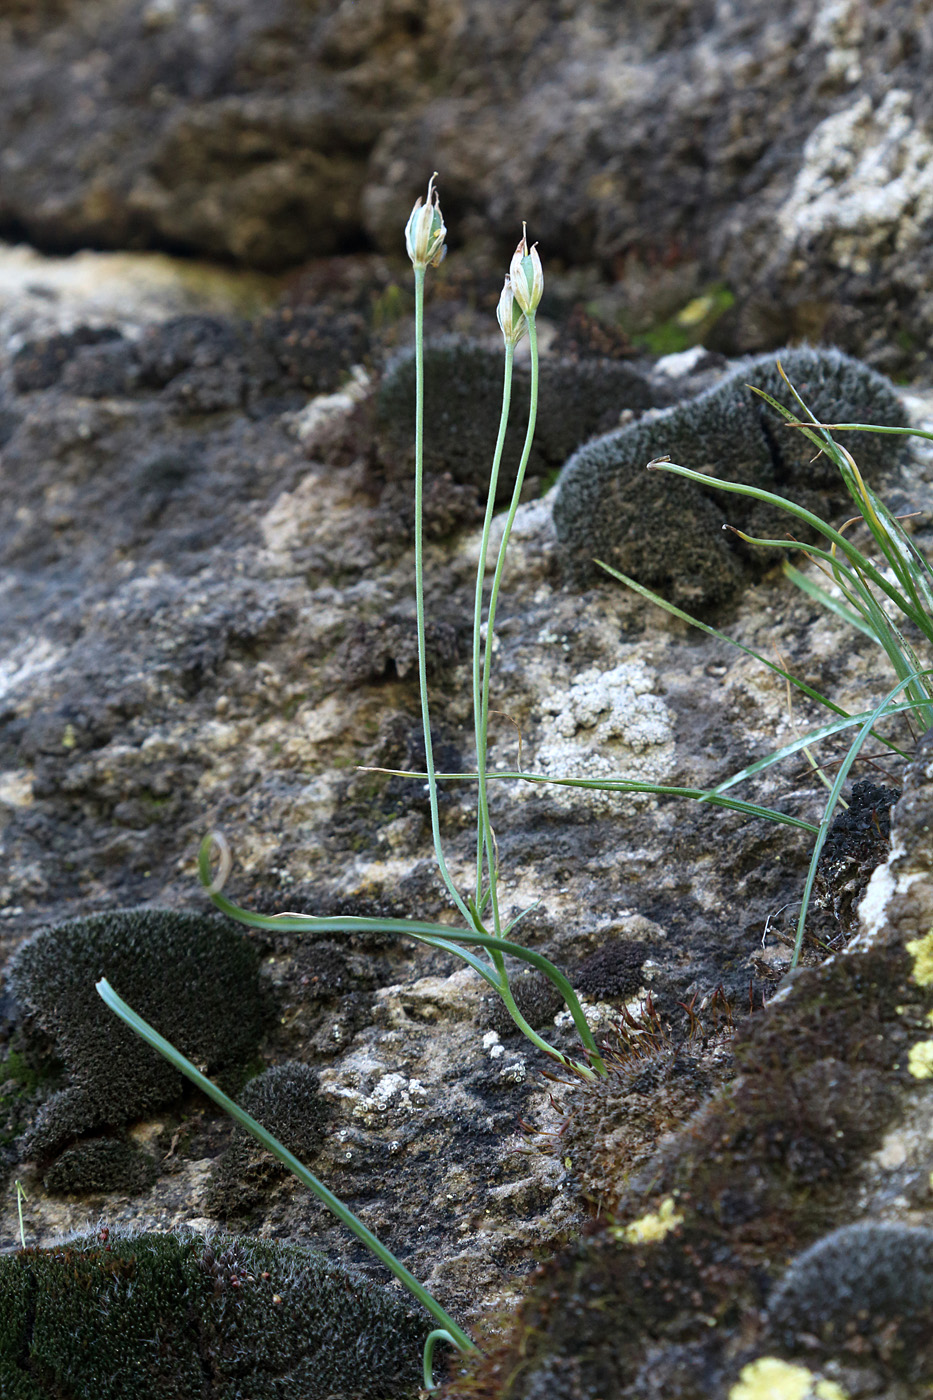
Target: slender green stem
(484, 837)
(491, 616)
(435, 935)
(272, 1144)
(510, 518)
(440, 1334)
(835, 793)
(419, 591)
(20, 1197)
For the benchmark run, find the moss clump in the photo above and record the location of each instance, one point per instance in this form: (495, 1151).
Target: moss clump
(665, 531)
(194, 977)
(178, 1316)
(536, 998)
(614, 970)
(864, 1285)
(463, 400)
(100, 1164)
(284, 1099)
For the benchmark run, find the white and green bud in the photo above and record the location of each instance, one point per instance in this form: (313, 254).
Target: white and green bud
(526, 275)
(510, 316)
(425, 231)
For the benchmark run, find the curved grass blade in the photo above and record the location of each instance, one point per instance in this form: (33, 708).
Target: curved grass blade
(814, 736)
(298, 1169)
(434, 935)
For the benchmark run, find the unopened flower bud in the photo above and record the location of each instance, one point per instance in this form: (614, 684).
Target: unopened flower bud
(425, 231)
(510, 316)
(526, 275)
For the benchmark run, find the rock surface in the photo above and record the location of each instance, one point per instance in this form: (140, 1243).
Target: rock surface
(199, 571)
(769, 159)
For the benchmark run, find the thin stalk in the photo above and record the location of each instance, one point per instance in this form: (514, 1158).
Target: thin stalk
(710, 797)
(440, 1334)
(271, 1144)
(484, 837)
(419, 591)
(834, 795)
(497, 583)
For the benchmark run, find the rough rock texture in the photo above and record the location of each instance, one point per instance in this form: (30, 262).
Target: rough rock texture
(807, 1135)
(207, 623)
(779, 150)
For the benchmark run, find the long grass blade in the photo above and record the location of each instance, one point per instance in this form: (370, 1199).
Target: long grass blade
(297, 1168)
(835, 793)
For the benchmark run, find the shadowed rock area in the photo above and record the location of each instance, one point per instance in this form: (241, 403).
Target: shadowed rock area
(779, 151)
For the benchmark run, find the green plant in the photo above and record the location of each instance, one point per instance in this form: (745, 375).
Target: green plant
(880, 600)
(425, 235)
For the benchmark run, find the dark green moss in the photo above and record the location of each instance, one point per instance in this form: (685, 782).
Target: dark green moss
(536, 998)
(666, 532)
(173, 1317)
(284, 1099)
(194, 977)
(100, 1164)
(463, 400)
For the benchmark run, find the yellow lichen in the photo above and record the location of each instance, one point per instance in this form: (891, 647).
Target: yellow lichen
(921, 950)
(651, 1227)
(771, 1379)
(920, 1060)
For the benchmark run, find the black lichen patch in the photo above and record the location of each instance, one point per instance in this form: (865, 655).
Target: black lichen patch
(286, 1101)
(863, 1287)
(666, 532)
(194, 977)
(178, 1316)
(100, 1164)
(463, 400)
(205, 364)
(386, 648)
(707, 1222)
(614, 970)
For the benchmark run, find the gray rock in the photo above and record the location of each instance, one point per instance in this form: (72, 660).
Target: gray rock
(780, 150)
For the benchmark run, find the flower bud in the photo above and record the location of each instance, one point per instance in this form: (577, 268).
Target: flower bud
(511, 318)
(526, 275)
(425, 231)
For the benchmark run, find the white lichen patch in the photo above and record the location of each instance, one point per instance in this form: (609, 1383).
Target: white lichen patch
(865, 180)
(769, 1378)
(25, 662)
(606, 724)
(394, 1095)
